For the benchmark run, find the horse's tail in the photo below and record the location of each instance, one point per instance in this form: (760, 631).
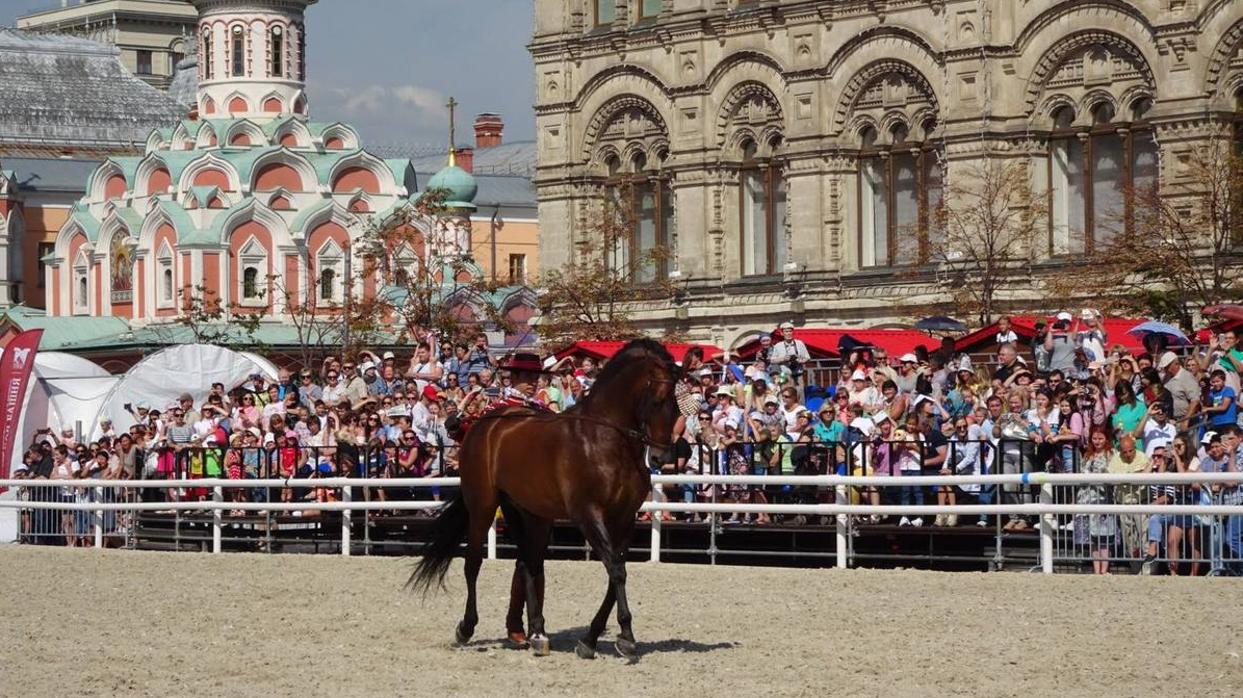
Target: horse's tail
(437, 553)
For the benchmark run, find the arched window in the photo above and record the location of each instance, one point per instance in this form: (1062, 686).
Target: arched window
(166, 287)
(331, 262)
(301, 58)
(80, 297)
(899, 193)
(238, 51)
(164, 264)
(276, 45)
(250, 283)
(405, 267)
(327, 284)
(643, 202)
(762, 206)
(1095, 170)
(206, 53)
(253, 263)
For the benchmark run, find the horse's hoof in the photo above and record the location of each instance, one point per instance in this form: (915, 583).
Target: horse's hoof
(626, 648)
(583, 651)
(540, 645)
(462, 635)
(517, 639)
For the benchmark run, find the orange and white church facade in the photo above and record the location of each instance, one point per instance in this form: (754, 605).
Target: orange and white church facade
(245, 193)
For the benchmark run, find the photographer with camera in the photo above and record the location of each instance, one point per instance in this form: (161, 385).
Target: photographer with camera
(792, 354)
(1056, 350)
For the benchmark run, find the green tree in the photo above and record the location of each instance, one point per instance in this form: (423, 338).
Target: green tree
(594, 297)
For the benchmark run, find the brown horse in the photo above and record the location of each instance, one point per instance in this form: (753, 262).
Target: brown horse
(586, 465)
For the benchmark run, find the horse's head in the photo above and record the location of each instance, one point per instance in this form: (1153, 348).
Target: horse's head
(642, 377)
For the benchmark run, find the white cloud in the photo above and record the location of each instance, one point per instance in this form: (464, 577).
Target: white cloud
(385, 113)
(430, 102)
(419, 104)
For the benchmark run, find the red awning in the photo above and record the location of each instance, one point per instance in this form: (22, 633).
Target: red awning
(1025, 327)
(605, 350)
(823, 343)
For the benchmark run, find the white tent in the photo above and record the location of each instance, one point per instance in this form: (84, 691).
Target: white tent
(65, 391)
(159, 379)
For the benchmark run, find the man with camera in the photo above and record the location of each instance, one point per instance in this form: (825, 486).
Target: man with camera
(1055, 351)
(791, 353)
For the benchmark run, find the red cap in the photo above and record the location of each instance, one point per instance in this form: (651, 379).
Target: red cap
(431, 393)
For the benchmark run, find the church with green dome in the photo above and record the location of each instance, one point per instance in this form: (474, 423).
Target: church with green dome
(252, 204)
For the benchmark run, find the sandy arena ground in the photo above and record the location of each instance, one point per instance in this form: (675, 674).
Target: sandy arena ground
(117, 623)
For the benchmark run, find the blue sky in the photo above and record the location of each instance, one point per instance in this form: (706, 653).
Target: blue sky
(389, 66)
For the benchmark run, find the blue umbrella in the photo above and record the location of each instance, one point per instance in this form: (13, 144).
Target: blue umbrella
(1153, 327)
(940, 323)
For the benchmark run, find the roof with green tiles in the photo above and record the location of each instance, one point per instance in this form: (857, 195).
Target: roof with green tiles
(65, 332)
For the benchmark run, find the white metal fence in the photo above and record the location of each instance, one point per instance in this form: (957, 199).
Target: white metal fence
(93, 509)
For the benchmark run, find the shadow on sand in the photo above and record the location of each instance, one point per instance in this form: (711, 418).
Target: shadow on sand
(565, 640)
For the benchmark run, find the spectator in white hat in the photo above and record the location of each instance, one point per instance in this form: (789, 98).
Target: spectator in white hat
(908, 373)
(1056, 351)
(790, 353)
(861, 390)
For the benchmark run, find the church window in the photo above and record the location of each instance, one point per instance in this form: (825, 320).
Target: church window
(206, 52)
(762, 209)
(80, 297)
(81, 285)
(254, 263)
(406, 268)
(331, 262)
(165, 293)
(276, 45)
(327, 284)
(238, 52)
(301, 56)
(166, 285)
(250, 283)
(1094, 171)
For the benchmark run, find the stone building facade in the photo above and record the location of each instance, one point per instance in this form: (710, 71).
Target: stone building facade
(788, 152)
(152, 35)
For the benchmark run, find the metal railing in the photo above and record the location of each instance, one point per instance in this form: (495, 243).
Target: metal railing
(1223, 515)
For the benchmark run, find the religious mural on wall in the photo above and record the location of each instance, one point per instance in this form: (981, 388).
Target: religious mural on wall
(122, 257)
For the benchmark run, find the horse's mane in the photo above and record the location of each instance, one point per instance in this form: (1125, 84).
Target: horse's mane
(641, 349)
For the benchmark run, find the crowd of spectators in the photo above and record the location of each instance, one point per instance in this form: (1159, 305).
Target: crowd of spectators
(1078, 403)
